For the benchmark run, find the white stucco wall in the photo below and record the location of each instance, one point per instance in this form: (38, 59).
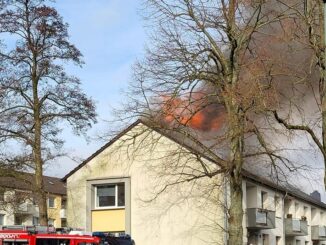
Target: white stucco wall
(189, 213)
(252, 199)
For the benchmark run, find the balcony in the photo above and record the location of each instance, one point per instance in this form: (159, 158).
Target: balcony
(318, 233)
(258, 218)
(296, 227)
(63, 213)
(25, 208)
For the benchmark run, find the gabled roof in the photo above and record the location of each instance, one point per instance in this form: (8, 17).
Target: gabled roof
(192, 147)
(101, 149)
(285, 189)
(22, 181)
(195, 148)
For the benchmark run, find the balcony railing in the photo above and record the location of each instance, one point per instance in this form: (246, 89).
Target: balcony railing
(318, 233)
(25, 208)
(260, 218)
(296, 227)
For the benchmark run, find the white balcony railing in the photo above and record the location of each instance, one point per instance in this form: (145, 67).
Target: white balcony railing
(258, 218)
(322, 231)
(27, 208)
(261, 217)
(296, 225)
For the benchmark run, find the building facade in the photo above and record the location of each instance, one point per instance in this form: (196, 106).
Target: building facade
(18, 207)
(124, 188)
(281, 215)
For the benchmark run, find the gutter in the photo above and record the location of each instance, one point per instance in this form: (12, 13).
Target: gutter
(225, 212)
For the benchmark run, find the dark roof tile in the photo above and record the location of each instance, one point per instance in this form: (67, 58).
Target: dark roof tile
(23, 181)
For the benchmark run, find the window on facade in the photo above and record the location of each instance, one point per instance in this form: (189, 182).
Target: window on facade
(278, 240)
(18, 220)
(305, 211)
(50, 221)
(313, 213)
(51, 202)
(265, 239)
(121, 194)
(278, 206)
(297, 210)
(34, 200)
(112, 195)
(2, 217)
(2, 195)
(63, 203)
(263, 199)
(21, 196)
(63, 223)
(35, 220)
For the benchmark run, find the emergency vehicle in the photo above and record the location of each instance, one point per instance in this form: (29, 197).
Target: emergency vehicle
(32, 235)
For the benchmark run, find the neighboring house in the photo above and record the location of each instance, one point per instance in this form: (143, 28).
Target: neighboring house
(115, 190)
(281, 215)
(17, 205)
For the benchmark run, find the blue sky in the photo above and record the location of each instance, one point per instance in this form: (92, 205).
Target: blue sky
(110, 35)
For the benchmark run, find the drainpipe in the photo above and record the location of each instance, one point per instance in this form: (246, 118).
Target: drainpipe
(283, 214)
(226, 211)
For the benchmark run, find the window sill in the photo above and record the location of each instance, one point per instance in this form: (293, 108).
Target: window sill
(108, 208)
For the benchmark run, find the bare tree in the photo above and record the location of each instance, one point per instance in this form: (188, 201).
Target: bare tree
(303, 109)
(203, 63)
(36, 94)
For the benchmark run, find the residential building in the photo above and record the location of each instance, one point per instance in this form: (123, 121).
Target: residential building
(18, 206)
(123, 187)
(281, 215)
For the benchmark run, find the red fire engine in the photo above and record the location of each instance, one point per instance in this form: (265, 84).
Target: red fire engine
(30, 236)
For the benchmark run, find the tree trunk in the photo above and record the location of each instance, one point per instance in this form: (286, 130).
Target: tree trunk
(40, 193)
(235, 209)
(322, 84)
(236, 134)
(37, 152)
(235, 212)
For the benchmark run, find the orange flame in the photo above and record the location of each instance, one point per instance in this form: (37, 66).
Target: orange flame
(193, 112)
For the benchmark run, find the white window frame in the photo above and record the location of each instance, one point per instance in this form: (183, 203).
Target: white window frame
(116, 197)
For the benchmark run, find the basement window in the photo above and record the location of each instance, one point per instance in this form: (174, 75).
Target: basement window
(110, 196)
